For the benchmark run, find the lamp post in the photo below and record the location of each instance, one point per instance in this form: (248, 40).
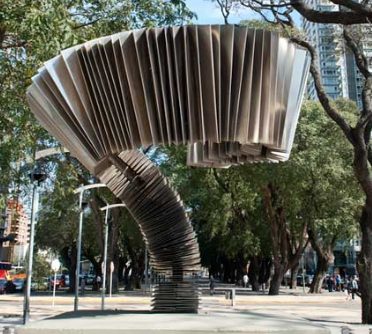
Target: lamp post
(146, 271)
(80, 191)
(106, 208)
(3, 190)
(55, 267)
(303, 271)
(112, 268)
(37, 177)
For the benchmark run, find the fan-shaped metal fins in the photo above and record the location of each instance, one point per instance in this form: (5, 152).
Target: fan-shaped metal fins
(169, 236)
(232, 94)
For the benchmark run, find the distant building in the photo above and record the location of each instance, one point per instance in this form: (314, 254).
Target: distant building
(346, 253)
(17, 222)
(340, 76)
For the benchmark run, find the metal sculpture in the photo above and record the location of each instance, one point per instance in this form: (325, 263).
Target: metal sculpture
(232, 94)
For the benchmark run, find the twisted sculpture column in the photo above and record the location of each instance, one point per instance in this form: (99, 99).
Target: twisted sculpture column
(167, 231)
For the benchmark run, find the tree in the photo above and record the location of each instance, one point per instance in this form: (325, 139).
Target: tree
(321, 155)
(220, 205)
(41, 268)
(228, 210)
(254, 212)
(354, 18)
(32, 32)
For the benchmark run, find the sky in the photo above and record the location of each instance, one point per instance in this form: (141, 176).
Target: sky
(208, 12)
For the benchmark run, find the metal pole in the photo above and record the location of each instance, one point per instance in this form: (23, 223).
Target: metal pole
(106, 208)
(104, 262)
(54, 287)
(110, 282)
(78, 257)
(146, 270)
(303, 272)
(26, 304)
(1, 242)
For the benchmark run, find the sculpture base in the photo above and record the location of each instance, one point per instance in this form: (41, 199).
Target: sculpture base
(175, 297)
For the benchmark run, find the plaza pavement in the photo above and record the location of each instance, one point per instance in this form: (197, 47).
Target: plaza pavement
(290, 312)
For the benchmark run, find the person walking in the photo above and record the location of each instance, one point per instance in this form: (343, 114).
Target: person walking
(329, 284)
(211, 285)
(83, 282)
(98, 282)
(245, 280)
(347, 288)
(338, 282)
(354, 287)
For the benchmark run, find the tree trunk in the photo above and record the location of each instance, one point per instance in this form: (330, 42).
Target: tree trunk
(72, 270)
(254, 273)
(324, 253)
(68, 255)
(294, 272)
(265, 271)
(322, 267)
(277, 279)
(115, 274)
(364, 264)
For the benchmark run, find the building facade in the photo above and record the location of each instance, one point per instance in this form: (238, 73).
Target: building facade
(17, 222)
(340, 75)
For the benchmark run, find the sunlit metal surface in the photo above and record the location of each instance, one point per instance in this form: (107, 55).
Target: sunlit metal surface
(171, 241)
(232, 94)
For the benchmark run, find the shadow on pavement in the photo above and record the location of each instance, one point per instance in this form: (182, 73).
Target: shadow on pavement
(334, 321)
(95, 313)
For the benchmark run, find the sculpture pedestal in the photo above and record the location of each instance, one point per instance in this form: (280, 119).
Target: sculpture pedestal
(175, 297)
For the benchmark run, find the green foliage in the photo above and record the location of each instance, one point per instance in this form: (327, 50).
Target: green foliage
(58, 217)
(316, 186)
(32, 32)
(40, 268)
(321, 156)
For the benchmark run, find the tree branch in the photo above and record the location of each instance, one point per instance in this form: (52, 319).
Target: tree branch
(86, 24)
(323, 98)
(337, 17)
(4, 45)
(219, 181)
(360, 58)
(355, 6)
(362, 64)
(225, 7)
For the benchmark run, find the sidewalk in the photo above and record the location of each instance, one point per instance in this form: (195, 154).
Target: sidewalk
(327, 312)
(128, 323)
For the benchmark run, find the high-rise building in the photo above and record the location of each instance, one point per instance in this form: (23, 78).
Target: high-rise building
(340, 76)
(17, 222)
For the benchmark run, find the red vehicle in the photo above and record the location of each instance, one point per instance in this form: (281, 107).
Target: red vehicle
(4, 270)
(60, 281)
(4, 275)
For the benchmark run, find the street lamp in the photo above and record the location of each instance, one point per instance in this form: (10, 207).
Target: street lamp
(80, 191)
(3, 190)
(37, 176)
(55, 267)
(106, 208)
(303, 271)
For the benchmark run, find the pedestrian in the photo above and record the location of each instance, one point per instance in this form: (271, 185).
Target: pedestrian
(338, 282)
(98, 282)
(347, 288)
(245, 280)
(211, 285)
(83, 282)
(354, 287)
(329, 284)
